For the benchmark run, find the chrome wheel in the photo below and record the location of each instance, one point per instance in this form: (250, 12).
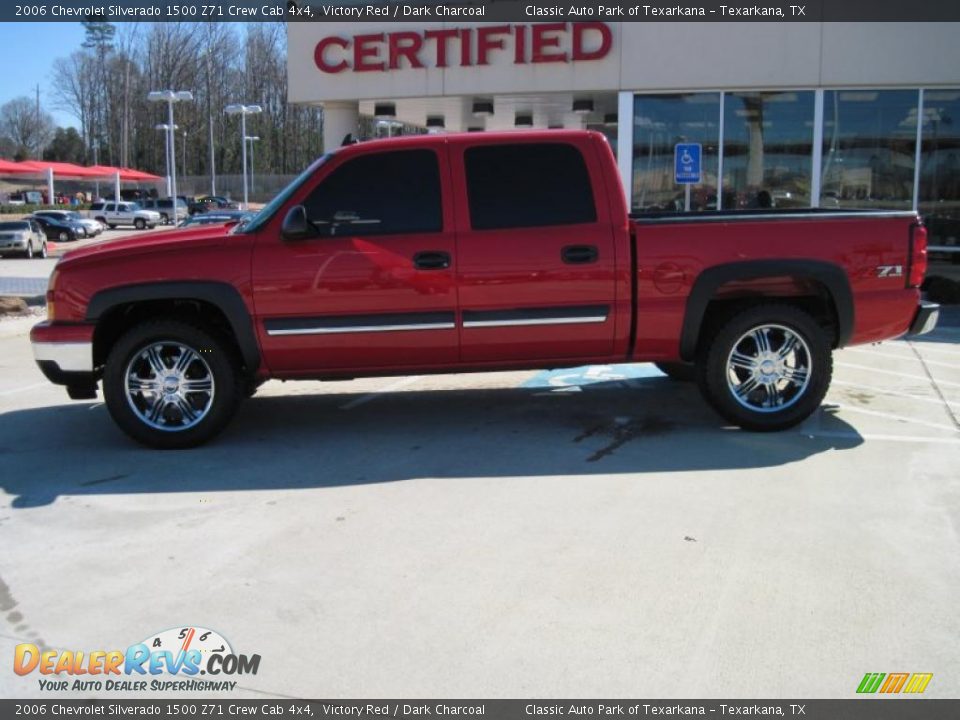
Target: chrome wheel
(769, 368)
(169, 386)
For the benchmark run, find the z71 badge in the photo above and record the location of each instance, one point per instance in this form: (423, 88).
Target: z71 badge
(891, 271)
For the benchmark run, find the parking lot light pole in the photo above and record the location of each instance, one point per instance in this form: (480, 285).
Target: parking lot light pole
(166, 146)
(251, 139)
(170, 97)
(243, 111)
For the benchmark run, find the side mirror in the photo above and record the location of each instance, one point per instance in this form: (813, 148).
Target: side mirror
(295, 224)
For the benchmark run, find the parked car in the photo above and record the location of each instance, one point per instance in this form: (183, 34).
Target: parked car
(26, 197)
(60, 230)
(215, 217)
(212, 202)
(22, 237)
(164, 206)
(499, 251)
(113, 214)
(91, 228)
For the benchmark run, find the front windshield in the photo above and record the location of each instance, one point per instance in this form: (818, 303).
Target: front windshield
(268, 211)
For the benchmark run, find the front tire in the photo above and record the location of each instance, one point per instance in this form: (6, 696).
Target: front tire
(171, 385)
(767, 368)
(139, 224)
(43, 251)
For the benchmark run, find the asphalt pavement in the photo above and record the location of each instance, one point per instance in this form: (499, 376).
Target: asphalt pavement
(591, 533)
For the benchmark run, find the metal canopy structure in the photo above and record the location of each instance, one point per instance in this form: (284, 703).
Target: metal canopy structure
(47, 170)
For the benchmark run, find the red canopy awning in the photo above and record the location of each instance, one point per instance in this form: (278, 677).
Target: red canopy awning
(126, 174)
(69, 171)
(12, 168)
(60, 169)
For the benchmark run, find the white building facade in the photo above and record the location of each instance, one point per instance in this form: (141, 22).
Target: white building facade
(793, 114)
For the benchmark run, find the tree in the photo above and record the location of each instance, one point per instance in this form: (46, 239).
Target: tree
(66, 146)
(26, 126)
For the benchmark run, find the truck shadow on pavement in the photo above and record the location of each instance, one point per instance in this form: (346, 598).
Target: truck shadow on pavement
(304, 441)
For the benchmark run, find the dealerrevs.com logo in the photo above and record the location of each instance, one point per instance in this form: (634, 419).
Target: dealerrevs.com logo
(172, 660)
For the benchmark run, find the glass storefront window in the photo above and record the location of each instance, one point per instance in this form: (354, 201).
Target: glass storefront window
(659, 123)
(767, 149)
(940, 188)
(869, 144)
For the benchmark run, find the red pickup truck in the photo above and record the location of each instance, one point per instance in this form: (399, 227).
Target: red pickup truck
(473, 252)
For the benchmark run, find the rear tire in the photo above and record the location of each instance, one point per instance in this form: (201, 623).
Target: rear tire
(170, 384)
(679, 371)
(767, 368)
(164, 220)
(111, 226)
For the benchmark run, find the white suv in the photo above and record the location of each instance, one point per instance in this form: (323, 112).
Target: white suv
(124, 213)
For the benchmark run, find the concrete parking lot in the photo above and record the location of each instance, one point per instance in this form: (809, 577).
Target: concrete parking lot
(590, 533)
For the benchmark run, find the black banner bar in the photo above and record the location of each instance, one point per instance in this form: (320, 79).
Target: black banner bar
(482, 11)
(872, 708)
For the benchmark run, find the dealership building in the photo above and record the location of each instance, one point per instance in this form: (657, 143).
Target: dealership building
(789, 114)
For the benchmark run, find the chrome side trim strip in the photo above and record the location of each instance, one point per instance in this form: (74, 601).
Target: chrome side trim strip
(535, 321)
(360, 329)
(732, 217)
(69, 356)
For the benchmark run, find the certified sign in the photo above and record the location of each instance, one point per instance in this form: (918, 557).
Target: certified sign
(686, 163)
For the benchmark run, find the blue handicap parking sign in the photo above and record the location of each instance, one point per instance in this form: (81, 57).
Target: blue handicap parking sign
(686, 163)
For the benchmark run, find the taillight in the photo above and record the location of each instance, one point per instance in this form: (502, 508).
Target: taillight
(51, 295)
(918, 257)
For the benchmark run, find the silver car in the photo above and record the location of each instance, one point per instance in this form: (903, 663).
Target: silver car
(24, 238)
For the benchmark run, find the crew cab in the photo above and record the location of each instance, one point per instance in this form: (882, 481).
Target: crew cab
(475, 252)
(112, 214)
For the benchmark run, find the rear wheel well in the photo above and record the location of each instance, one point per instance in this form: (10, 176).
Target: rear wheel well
(809, 295)
(120, 318)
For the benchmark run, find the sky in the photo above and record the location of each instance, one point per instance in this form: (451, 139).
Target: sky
(27, 52)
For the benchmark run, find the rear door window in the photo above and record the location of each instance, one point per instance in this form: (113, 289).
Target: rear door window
(528, 185)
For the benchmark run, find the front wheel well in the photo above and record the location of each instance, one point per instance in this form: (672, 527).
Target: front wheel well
(118, 319)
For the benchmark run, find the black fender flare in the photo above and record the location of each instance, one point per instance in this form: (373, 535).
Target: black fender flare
(832, 276)
(221, 295)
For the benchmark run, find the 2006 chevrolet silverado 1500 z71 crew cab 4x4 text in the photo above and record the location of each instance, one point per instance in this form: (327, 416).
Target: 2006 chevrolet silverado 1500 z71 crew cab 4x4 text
(482, 251)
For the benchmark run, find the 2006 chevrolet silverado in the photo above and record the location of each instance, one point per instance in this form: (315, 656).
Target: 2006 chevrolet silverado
(492, 251)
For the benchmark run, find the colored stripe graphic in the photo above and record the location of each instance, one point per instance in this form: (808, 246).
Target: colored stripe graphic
(894, 682)
(918, 682)
(870, 682)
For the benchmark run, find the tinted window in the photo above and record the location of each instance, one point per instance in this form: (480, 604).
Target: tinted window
(528, 186)
(13, 226)
(97, 206)
(380, 194)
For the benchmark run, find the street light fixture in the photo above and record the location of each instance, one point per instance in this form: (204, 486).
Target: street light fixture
(166, 145)
(251, 139)
(243, 111)
(170, 97)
